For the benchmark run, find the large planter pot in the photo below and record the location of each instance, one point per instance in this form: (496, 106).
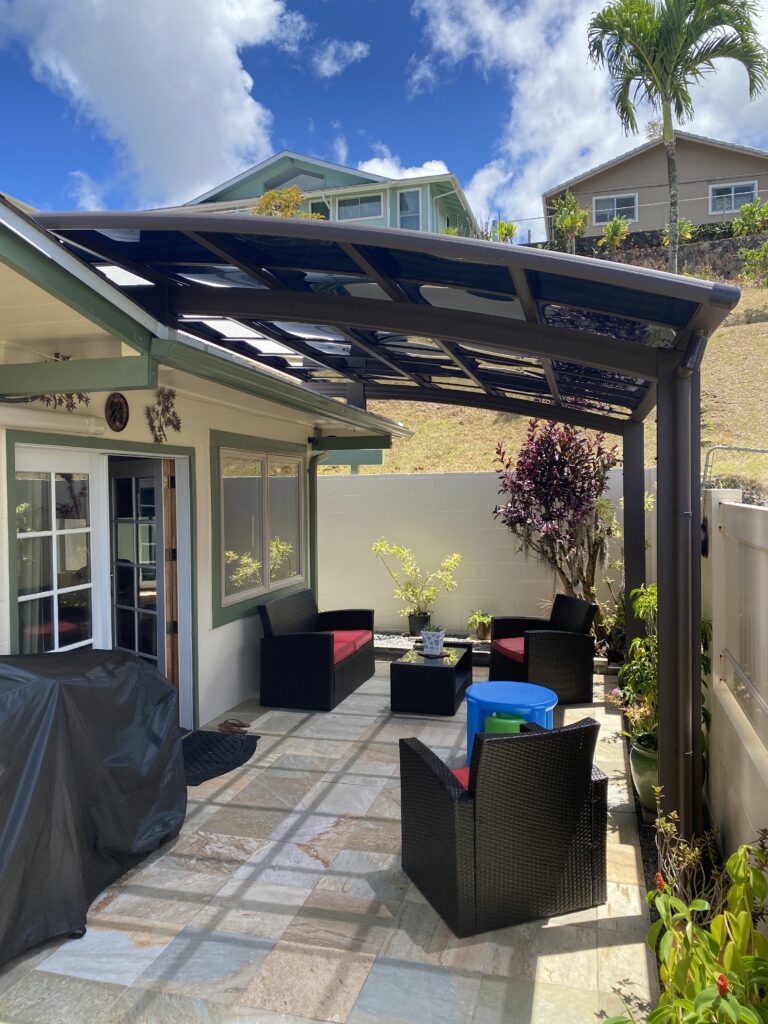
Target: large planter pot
(416, 623)
(644, 766)
(433, 642)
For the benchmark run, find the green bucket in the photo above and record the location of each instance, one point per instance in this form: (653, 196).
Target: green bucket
(503, 721)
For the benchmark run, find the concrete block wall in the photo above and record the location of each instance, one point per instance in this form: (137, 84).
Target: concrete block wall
(434, 515)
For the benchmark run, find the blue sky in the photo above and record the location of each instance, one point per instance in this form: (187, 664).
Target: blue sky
(149, 102)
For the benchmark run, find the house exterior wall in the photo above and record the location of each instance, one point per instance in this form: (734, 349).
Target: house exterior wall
(735, 599)
(228, 654)
(699, 165)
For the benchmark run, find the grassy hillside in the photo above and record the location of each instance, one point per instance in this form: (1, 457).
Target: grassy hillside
(452, 439)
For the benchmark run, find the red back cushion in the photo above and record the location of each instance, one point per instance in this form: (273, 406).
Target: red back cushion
(462, 774)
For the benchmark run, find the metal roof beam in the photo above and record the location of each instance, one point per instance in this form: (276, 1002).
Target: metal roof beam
(257, 273)
(531, 310)
(515, 406)
(506, 334)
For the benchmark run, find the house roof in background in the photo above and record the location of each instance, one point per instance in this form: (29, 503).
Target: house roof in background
(276, 158)
(405, 315)
(632, 153)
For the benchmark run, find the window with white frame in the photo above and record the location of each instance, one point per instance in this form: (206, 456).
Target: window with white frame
(409, 209)
(359, 207)
(605, 208)
(730, 197)
(320, 206)
(261, 522)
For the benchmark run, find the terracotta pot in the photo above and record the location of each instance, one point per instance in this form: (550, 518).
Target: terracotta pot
(644, 766)
(416, 623)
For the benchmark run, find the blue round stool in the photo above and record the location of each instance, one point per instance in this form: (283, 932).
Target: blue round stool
(534, 703)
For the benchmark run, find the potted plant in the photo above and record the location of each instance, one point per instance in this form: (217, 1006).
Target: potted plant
(432, 638)
(416, 588)
(480, 621)
(637, 697)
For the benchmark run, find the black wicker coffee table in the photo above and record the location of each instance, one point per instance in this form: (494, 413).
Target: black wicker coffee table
(431, 686)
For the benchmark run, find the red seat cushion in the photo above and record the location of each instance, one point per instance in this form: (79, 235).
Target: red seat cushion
(342, 649)
(462, 774)
(357, 637)
(513, 648)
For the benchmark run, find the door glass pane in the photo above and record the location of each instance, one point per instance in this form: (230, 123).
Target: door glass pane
(123, 499)
(35, 565)
(125, 629)
(36, 626)
(125, 542)
(147, 587)
(72, 501)
(124, 585)
(74, 566)
(147, 634)
(242, 517)
(74, 617)
(147, 546)
(33, 502)
(284, 520)
(145, 493)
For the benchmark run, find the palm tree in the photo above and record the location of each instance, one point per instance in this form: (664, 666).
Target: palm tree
(656, 49)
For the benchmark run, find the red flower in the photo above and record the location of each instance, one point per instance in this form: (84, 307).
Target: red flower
(659, 881)
(723, 988)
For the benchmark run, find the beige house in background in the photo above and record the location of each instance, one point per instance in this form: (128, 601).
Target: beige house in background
(715, 180)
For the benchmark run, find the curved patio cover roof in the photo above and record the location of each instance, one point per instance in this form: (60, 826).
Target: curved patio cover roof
(374, 313)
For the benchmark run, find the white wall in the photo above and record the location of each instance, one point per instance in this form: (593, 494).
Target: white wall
(435, 515)
(735, 598)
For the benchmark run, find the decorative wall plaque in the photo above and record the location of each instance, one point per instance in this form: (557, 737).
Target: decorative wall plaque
(116, 412)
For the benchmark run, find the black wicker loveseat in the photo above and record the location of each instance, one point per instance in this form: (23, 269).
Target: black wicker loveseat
(312, 660)
(557, 652)
(525, 839)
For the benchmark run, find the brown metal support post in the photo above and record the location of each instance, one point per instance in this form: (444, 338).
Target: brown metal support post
(697, 766)
(356, 395)
(634, 521)
(674, 572)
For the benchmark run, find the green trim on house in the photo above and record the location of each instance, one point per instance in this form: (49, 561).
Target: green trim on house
(14, 437)
(344, 444)
(218, 370)
(29, 261)
(130, 373)
(221, 613)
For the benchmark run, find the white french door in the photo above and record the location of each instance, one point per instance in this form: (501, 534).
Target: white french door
(62, 550)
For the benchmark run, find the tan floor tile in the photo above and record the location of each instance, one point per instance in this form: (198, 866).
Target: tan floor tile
(340, 921)
(309, 981)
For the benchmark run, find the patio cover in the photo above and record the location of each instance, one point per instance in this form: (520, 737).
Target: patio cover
(369, 313)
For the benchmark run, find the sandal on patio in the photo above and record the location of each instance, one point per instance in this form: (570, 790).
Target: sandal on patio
(233, 725)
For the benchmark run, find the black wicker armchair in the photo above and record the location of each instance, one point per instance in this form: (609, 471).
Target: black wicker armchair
(525, 840)
(557, 652)
(313, 660)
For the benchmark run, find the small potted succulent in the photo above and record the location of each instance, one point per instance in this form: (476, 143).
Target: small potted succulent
(433, 638)
(480, 621)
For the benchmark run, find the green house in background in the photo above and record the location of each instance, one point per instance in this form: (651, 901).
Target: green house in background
(430, 203)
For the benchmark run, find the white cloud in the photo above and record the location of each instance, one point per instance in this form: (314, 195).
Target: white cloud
(88, 194)
(422, 76)
(335, 56)
(561, 120)
(340, 149)
(162, 81)
(388, 165)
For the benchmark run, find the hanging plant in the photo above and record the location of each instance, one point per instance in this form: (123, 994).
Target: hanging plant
(162, 416)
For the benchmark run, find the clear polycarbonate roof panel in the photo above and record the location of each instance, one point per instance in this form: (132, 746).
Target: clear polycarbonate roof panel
(609, 298)
(420, 267)
(354, 296)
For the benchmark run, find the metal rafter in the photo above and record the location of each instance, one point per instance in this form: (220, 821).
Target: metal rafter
(303, 348)
(397, 294)
(257, 273)
(527, 301)
(501, 333)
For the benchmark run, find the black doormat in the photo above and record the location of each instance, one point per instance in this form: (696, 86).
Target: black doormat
(208, 754)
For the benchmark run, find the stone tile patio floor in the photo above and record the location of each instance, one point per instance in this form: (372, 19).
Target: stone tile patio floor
(283, 901)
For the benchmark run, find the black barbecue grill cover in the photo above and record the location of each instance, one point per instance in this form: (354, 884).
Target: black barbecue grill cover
(91, 780)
